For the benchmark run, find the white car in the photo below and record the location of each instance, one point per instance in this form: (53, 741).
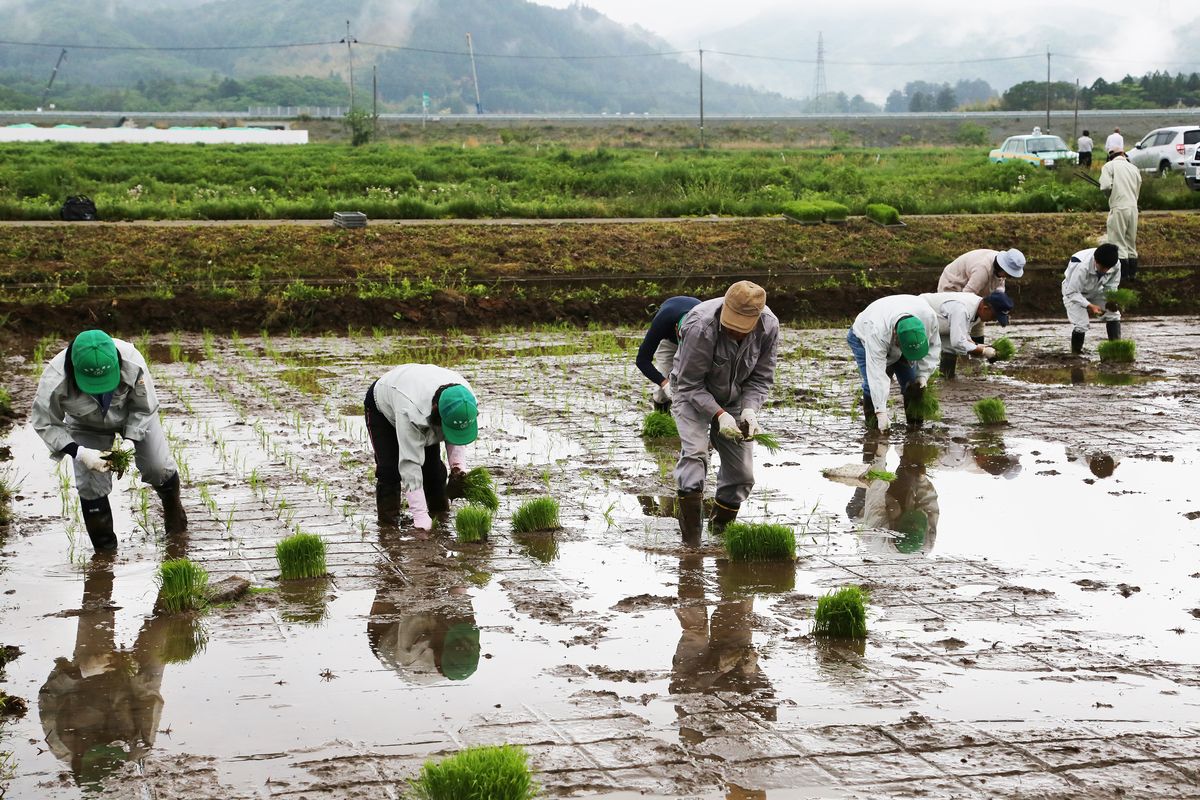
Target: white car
(1166, 149)
(1191, 171)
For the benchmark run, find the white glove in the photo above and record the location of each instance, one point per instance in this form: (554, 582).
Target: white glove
(728, 427)
(922, 381)
(666, 390)
(92, 459)
(988, 352)
(750, 426)
(884, 421)
(419, 510)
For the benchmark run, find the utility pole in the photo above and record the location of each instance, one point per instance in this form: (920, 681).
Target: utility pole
(701, 98)
(819, 87)
(375, 99)
(1047, 88)
(53, 73)
(350, 40)
(474, 75)
(1075, 124)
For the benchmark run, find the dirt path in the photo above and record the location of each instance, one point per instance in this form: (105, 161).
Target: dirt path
(1037, 641)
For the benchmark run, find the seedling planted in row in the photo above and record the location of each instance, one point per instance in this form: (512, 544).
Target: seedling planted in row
(842, 614)
(539, 514)
(659, 425)
(182, 585)
(301, 555)
(1118, 350)
(478, 773)
(479, 489)
(759, 541)
(991, 411)
(473, 523)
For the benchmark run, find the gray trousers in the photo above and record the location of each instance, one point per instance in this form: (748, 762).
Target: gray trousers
(1122, 231)
(664, 361)
(1078, 315)
(697, 432)
(152, 456)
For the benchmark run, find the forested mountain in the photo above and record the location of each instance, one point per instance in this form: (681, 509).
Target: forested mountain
(529, 58)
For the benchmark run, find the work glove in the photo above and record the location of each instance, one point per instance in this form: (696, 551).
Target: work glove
(667, 393)
(92, 459)
(454, 483)
(750, 427)
(885, 421)
(727, 426)
(419, 510)
(989, 353)
(924, 379)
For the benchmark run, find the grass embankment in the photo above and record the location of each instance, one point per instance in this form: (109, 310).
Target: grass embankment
(247, 277)
(496, 181)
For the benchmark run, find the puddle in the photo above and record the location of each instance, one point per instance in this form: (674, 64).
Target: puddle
(1022, 579)
(1055, 376)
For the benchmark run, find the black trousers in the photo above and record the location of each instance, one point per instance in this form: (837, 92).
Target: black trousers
(387, 458)
(1085, 159)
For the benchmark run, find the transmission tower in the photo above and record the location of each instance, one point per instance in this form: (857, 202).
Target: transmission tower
(819, 87)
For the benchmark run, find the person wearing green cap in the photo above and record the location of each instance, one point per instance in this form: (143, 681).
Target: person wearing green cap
(410, 411)
(91, 391)
(896, 335)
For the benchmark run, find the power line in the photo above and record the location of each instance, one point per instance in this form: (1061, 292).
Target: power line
(466, 54)
(169, 48)
(881, 63)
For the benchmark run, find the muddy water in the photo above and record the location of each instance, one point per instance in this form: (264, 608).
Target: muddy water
(1031, 629)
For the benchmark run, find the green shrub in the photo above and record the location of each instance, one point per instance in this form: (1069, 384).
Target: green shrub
(1120, 299)
(473, 523)
(301, 555)
(1004, 347)
(991, 411)
(299, 291)
(757, 541)
(1119, 350)
(804, 211)
(539, 514)
(182, 585)
(883, 214)
(659, 425)
(479, 489)
(478, 773)
(842, 613)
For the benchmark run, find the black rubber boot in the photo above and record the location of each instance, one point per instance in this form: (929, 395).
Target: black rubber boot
(948, 364)
(174, 517)
(722, 515)
(691, 514)
(1114, 328)
(387, 503)
(1077, 342)
(98, 519)
(1129, 268)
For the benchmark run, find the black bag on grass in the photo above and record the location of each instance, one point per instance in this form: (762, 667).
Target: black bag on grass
(79, 208)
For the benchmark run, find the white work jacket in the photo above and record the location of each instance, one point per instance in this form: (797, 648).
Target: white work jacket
(1122, 182)
(405, 398)
(957, 312)
(1083, 285)
(875, 327)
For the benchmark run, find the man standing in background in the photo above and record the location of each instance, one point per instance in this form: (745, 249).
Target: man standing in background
(1084, 145)
(1122, 182)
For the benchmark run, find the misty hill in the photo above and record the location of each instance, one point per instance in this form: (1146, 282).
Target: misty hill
(417, 46)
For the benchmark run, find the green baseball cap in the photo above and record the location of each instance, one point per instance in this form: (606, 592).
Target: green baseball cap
(460, 651)
(94, 359)
(458, 411)
(914, 343)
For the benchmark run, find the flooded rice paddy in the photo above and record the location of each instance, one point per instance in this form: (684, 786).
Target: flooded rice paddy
(1033, 633)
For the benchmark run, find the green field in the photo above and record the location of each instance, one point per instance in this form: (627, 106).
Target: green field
(130, 182)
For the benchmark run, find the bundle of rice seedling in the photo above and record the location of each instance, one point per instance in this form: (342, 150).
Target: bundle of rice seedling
(842, 613)
(659, 425)
(479, 489)
(759, 541)
(1004, 347)
(539, 514)
(880, 475)
(990, 411)
(927, 405)
(301, 555)
(478, 773)
(473, 523)
(119, 460)
(1120, 350)
(182, 585)
(1120, 299)
(767, 440)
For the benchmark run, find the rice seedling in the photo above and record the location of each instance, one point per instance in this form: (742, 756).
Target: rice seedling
(659, 425)
(1119, 350)
(1004, 347)
(928, 405)
(759, 541)
(881, 475)
(1120, 299)
(119, 460)
(990, 411)
(182, 585)
(301, 555)
(842, 613)
(768, 440)
(539, 514)
(883, 214)
(478, 773)
(473, 523)
(9, 485)
(6, 409)
(478, 488)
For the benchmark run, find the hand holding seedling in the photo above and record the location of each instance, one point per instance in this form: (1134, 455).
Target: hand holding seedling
(1095, 310)
(94, 460)
(728, 427)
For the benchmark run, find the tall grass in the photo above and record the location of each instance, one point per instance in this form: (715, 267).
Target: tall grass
(757, 541)
(539, 514)
(842, 613)
(301, 555)
(182, 585)
(478, 773)
(473, 523)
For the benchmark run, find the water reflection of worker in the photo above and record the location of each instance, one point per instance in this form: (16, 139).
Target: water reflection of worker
(907, 506)
(101, 707)
(1100, 463)
(656, 354)
(420, 626)
(715, 654)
